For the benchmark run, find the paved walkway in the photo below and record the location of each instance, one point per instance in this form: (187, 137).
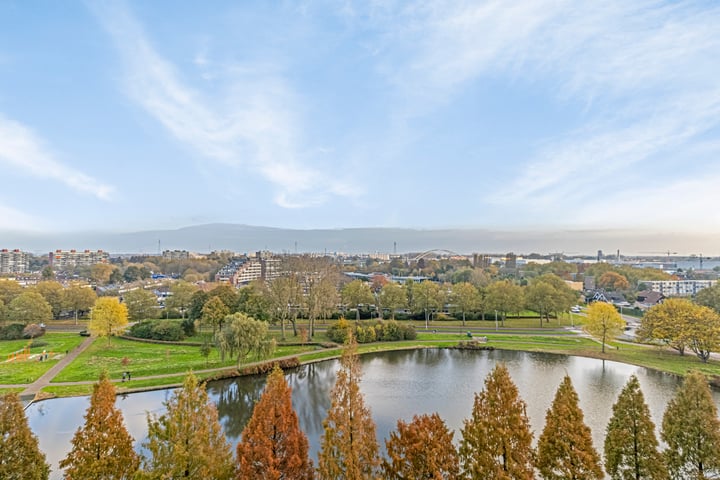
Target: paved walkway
(28, 395)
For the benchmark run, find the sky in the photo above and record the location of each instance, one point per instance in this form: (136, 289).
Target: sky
(543, 114)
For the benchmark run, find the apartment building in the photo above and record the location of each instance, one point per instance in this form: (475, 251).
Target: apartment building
(66, 260)
(175, 254)
(14, 261)
(677, 288)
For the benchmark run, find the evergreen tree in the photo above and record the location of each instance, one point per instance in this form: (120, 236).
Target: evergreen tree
(422, 448)
(691, 430)
(273, 447)
(496, 440)
(20, 456)
(349, 448)
(565, 450)
(631, 447)
(102, 448)
(188, 441)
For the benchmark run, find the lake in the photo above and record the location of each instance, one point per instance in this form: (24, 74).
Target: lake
(396, 386)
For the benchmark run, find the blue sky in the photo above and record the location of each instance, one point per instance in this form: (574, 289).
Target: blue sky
(545, 114)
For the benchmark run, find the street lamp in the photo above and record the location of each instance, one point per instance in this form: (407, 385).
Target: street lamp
(496, 323)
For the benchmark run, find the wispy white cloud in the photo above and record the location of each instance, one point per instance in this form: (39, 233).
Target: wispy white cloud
(646, 72)
(23, 151)
(252, 124)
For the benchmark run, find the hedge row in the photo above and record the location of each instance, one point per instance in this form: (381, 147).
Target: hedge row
(380, 331)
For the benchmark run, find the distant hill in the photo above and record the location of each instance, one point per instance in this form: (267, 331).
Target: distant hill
(246, 238)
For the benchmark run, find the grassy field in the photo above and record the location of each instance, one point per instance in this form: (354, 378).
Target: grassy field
(144, 359)
(27, 371)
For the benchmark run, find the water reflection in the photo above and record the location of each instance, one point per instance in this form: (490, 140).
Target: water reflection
(397, 385)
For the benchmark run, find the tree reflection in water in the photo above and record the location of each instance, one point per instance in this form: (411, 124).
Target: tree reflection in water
(311, 384)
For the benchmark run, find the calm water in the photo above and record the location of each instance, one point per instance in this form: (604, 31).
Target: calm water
(396, 385)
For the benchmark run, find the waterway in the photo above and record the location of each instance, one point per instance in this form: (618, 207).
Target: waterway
(396, 386)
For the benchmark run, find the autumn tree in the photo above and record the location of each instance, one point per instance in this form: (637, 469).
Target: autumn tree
(465, 297)
(52, 292)
(285, 295)
(703, 335)
(273, 447)
(356, 293)
(322, 295)
(107, 317)
(242, 336)
(187, 441)
(29, 307)
(77, 298)
(392, 296)
(101, 272)
(549, 294)
(613, 281)
(141, 304)
(20, 456)
(709, 297)
(348, 448)
(213, 313)
(691, 430)
(680, 324)
(102, 448)
(504, 297)
(428, 298)
(9, 289)
(422, 448)
(497, 440)
(181, 297)
(565, 450)
(631, 447)
(603, 321)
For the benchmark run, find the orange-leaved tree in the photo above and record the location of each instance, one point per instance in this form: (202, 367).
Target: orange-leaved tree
(20, 456)
(102, 446)
(273, 447)
(497, 440)
(422, 448)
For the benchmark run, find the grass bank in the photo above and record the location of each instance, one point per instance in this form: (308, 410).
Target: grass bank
(27, 371)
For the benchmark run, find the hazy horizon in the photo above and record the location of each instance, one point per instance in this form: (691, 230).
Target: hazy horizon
(247, 238)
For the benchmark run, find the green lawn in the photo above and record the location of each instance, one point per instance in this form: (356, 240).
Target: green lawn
(30, 370)
(145, 359)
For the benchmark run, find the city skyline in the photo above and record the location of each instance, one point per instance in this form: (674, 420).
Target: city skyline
(543, 116)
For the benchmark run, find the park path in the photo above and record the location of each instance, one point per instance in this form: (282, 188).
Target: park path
(28, 395)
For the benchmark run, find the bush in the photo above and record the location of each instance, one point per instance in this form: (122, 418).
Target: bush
(168, 331)
(382, 331)
(165, 330)
(38, 343)
(142, 329)
(33, 331)
(338, 332)
(188, 327)
(14, 331)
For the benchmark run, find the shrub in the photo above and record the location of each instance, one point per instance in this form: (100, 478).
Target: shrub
(142, 329)
(365, 334)
(338, 332)
(14, 331)
(38, 343)
(188, 327)
(167, 331)
(392, 331)
(33, 331)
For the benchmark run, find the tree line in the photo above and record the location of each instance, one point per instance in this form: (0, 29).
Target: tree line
(496, 441)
